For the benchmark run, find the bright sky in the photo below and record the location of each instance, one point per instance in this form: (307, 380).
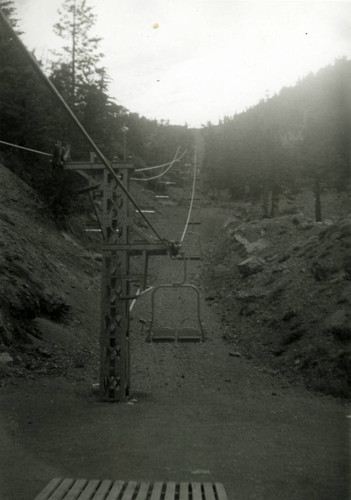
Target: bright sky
(207, 58)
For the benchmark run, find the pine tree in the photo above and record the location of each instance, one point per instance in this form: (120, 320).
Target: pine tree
(10, 75)
(8, 8)
(78, 64)
(16, 83)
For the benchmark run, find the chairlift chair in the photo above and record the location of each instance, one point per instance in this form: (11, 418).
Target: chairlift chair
(194, 243)
(175, 334)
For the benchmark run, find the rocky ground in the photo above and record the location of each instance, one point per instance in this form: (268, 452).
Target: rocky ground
(235, 409)
(283, 287)
(47, 278)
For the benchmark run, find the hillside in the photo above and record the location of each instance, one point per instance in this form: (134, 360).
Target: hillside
(297, 139)
(283, 287)
(47, 279)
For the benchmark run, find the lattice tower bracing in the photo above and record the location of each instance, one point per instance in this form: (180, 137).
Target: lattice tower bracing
(114, 333)
(121, 240)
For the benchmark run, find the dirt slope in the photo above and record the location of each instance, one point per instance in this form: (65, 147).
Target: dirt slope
(284, 288)
(47, 279)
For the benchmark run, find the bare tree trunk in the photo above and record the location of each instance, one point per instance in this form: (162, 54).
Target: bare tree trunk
(265, 201)
(74, 55)
(274, 200)
(317, 199)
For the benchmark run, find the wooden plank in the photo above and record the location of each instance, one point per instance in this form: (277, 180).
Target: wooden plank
(170, 491)
(221, 493)
(196, 490)
(156, 491)
(102, 490)
(61, 491)
(189, 257)
(115, 490)
(189, 339)
(143, 491)
(82, 489)
(163, 335)
(76, 489)
(49, 488)
(209, 491)
(89, 490)
(184, 491)
(130, 490)
(189, 335)
(83, 165)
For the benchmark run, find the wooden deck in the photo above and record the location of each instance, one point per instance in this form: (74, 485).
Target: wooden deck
(84, 489)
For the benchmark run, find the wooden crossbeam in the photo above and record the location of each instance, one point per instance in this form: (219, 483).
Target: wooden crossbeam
(190, 257)
(96, 489)
(86, 165)
(180, 335)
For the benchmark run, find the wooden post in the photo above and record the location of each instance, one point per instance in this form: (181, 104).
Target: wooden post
(317, 199)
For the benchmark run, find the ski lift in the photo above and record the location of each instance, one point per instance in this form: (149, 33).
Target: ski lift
(190, 244)
(176, 334)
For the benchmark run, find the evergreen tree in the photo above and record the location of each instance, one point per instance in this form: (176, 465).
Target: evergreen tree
(78, 64)
(11, 78)
(299, 138)
(8, 8)
(22, 107)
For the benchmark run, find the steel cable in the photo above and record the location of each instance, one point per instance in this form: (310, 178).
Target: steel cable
(160, 166)
(192, 198)
(73, 117)
(161, 174)
(26, 149)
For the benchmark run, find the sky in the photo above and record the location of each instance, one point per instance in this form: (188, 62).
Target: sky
(197, 61)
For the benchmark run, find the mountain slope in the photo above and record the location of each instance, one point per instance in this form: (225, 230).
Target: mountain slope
(47, 276)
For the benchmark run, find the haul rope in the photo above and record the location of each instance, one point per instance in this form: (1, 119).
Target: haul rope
(26, 149)
(175, 159)
(160, 166)
(192, 198)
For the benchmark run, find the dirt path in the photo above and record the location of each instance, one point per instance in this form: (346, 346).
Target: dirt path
(199, 412)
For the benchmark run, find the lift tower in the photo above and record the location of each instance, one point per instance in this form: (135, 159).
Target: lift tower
(121, 239)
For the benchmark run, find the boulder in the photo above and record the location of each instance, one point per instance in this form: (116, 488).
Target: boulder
(5, 358)
(231, 224)
(339, 318)
(251, 247)
(339, 325)
(250, 295)
(305, 225)
(250, 266)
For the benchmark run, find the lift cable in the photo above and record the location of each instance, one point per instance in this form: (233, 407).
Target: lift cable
(160, 166)
(159, 175)
(152, 168)
(175, 159)
(192, 198)
(26, 149)
(73, 117)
